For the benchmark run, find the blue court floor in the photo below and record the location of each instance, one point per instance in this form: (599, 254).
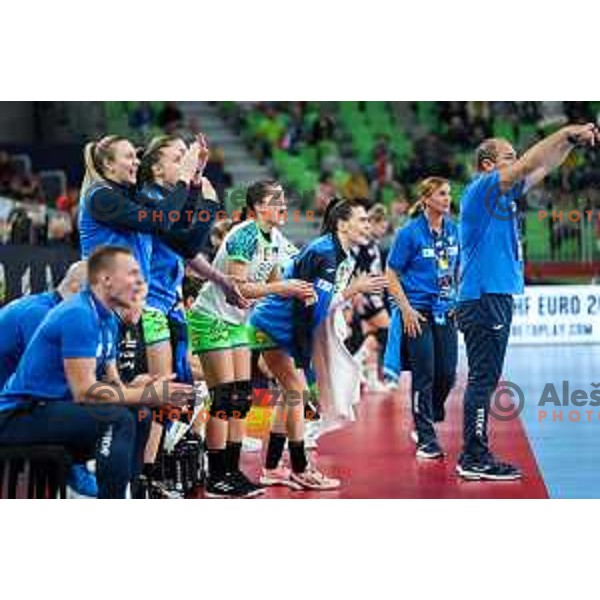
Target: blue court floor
(568, 450)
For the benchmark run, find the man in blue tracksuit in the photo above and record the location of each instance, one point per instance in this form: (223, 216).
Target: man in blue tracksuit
(492, 272)
(66, 389)
(19, 321)
(20, 318)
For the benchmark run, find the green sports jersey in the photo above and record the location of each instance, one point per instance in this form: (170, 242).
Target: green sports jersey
(245, 243)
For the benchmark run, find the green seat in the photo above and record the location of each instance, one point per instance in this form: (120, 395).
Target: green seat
(310, 156)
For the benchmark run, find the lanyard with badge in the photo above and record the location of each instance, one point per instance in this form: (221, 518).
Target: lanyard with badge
(444, 275)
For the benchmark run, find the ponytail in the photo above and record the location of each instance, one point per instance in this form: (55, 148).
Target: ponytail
(94, 156)
(417, 208)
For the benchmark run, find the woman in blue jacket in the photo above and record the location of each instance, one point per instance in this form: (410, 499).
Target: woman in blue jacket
(421, 270)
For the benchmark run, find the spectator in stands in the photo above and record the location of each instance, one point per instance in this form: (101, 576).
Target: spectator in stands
(431, 155)
(399, 212)
(24, 187)
(579, 112)
(170, 118)
(270, 131)
(60, 228)
(20, 227)
(215, 172)
(458, 131)
(142, 118)
(325, 193)
(296, 129)
(323, 129)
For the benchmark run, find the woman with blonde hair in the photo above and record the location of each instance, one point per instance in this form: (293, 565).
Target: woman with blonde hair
(112, 209)
(421, 271)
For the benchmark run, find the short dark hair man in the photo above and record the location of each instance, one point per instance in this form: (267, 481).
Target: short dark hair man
(59, 393)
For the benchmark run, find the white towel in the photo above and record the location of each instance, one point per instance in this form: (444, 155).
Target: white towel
(336, 371)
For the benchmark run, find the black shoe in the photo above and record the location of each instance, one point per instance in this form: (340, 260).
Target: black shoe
(430, 451)
(221, 487)
(487, 469)
(249, 489)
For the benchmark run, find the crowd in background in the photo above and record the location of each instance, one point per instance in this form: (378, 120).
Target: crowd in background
(30, 215)
(315, 145)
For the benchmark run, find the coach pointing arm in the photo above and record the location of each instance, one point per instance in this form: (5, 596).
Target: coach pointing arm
(539, 160)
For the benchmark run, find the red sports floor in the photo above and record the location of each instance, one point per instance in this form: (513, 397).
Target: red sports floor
(374, 457)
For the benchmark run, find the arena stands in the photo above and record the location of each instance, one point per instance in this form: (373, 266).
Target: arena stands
(386, 147)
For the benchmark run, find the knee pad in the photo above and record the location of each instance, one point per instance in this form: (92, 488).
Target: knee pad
(221, 397)
(242, 400)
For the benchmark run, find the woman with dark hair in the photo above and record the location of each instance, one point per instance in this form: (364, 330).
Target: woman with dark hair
(422, 269)
(251, 254)
(292, 324)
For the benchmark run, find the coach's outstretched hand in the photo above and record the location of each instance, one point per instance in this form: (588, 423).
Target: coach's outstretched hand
(584, 135)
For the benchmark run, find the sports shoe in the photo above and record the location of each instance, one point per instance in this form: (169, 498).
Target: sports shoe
(430, 451)
(224, 487)
(232, 485)
(278, 476)
(82, 482)
(414, 436)
(488, 469)
(248, 488)
(312, 479)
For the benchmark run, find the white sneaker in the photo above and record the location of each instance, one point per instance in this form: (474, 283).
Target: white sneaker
(312, 479)
(278, 476)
